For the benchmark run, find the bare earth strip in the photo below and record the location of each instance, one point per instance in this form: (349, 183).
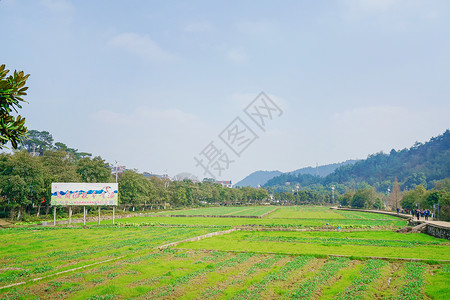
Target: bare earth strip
(59, 273)
(197, 238)
(235, 212)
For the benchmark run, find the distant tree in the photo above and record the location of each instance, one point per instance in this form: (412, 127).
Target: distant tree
(60, 166)
(94, 170)
(416, 179)
(21, 181)
(37, 141)
(78, 155)
(346, 198)
(441, 196)
(134, 189)
(415, 198)
(12, 88)
(365, 197)
(396, 195)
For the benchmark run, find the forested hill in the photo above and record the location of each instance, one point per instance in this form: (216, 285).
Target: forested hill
(420, 164)
(262, 177)
(324, 170)
(258, 178)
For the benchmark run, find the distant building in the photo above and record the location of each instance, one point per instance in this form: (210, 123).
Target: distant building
(227, 184)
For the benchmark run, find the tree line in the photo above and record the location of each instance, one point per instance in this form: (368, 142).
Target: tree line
(25, 184)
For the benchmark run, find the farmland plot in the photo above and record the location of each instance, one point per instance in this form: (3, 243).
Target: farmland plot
(35, 252)
(359, 244)
(290, 261)
(191, 274)
(224, 211)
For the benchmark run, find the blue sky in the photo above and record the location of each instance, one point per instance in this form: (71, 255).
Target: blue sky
(151, 83)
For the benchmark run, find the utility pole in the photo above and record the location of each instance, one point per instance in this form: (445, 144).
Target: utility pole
(114, 208)
(332, 194)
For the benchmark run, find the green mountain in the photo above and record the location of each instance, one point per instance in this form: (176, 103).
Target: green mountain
(258, 178)
(420, 164)
(262, 177)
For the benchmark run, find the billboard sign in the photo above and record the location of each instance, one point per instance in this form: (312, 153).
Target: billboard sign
(84, 193)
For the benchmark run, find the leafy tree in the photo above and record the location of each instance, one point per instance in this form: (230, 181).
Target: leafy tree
(365, 197)
(37, 141)
(94, 170)
(134, 189)
(22, 180)
(415, 197)
(12, 88)
(60, 166)
(416, 179)
(78, 155)
(346, 198)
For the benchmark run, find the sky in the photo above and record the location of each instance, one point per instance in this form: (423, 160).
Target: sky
(175, 86)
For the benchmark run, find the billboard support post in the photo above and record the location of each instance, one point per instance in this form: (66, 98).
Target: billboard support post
(54, 215)
(70, 215)
(99, 215)
(84, 215)
(114, 210)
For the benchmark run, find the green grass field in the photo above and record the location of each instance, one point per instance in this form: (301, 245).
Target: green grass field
(282, 217)
(223, 211)
(123, 262)
(359, 244)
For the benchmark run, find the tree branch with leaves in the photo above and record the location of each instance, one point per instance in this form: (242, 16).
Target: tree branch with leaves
(12, 88)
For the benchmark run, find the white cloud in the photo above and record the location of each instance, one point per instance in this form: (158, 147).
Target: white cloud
(237, 55)
(142, 46)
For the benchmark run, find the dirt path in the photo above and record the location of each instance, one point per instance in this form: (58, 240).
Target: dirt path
(4, 223)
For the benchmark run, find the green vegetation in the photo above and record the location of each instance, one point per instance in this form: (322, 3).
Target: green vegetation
(220, 275)
(12, 88)
(29, 252)
(357, 244)
(367, 275)
(300, 217)
(422, 172)
(123, 261)
(224, 211)
(420, 164)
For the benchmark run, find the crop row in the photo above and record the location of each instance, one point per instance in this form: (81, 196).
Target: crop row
(70, 249)
(369, 273)
(306, 288)
(172, 273)
(414, 282)
(343, 241)
(254, 291)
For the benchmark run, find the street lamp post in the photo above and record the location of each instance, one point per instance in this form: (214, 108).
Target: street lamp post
(332, 194)
(385, 202)
(114, 208)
